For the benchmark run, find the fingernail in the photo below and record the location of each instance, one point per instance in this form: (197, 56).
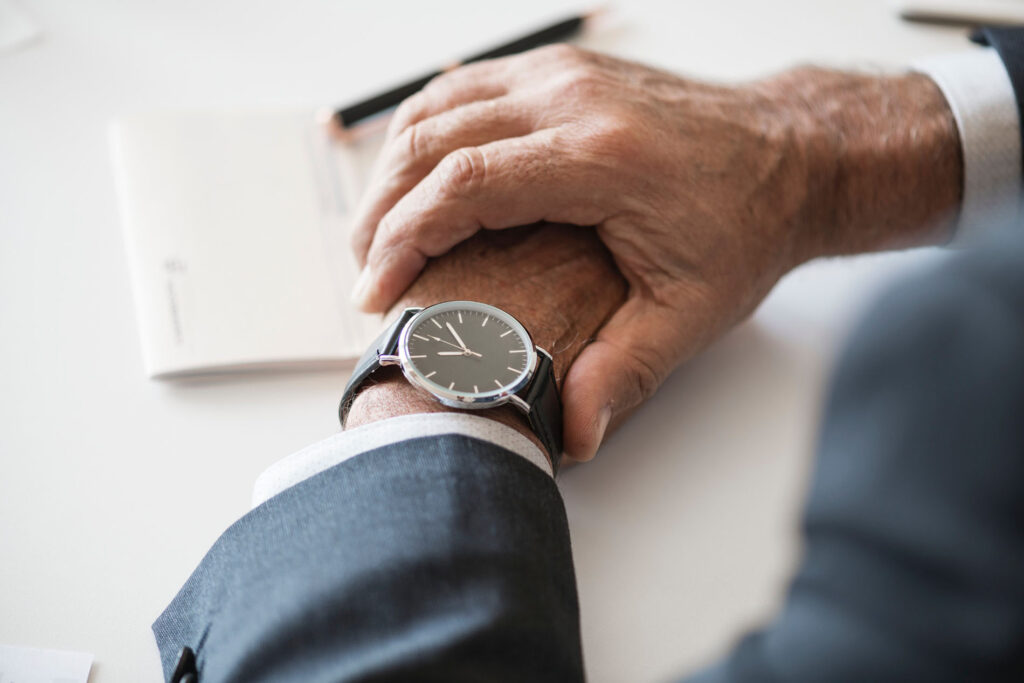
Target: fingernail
(362, 288)
(602, 423)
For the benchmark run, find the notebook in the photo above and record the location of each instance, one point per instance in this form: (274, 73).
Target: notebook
(236, 231)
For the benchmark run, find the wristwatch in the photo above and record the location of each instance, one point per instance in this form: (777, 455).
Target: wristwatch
(471, 356)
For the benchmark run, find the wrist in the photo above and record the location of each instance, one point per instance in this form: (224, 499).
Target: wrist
(884, 168)
(389, 394)
(558, 281)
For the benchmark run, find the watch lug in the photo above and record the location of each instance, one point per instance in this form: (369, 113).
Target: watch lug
(517, 398)
(519, 403)
(536, 361)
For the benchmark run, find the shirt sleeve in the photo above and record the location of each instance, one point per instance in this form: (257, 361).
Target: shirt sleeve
(336, 449)
(981, 96)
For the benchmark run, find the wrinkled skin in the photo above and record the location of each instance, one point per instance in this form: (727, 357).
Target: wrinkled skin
(704, 195)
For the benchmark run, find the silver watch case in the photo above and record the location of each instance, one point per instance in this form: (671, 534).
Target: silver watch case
(456, 399)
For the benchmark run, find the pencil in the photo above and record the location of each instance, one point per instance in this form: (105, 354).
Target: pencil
(348, 116)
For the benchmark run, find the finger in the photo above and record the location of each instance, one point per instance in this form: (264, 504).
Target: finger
(411, 156)
(485, 80)
(502, 184)
(468, 83)
(633, 354)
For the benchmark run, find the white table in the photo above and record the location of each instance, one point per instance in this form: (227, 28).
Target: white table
(112, 486)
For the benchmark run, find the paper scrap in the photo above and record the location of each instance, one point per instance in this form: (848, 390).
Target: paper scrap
(36, 665)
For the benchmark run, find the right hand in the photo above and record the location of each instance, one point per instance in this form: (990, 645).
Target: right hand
(704, 195)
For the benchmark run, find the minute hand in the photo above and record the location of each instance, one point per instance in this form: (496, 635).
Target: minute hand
(457, 337)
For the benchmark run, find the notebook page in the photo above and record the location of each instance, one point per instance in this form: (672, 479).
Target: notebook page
(237, 242)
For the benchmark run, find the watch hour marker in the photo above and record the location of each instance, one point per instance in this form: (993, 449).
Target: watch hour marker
(505, 334)
(485, 320)
(434, 320)
(451, 386)
(417, 356)
(460, 317)
(476, 389)
(512, 369)
(431, 374)
(500, 385)
(517, 350)
(419, 337)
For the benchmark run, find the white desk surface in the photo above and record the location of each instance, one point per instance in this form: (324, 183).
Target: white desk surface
(113, 486)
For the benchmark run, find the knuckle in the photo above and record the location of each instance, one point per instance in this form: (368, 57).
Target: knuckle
(462, 171)
(561, 52)
(613, 136)
(645, 378)
(614, 129)
(446, 85)
(388, 234)
(408, 112)
(440, 83)
(410, 144)
(580, 82)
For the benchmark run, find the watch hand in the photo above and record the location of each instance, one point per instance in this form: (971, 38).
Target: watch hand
(457, 337)
(444, 341)
(462, 350)
(467, 352)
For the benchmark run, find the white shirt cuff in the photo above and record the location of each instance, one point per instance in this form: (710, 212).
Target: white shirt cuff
(325, 454)
(980, 94)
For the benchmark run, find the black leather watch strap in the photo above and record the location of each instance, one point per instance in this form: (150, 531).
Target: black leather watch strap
(386, 344)
(545, 407)
(541, 394)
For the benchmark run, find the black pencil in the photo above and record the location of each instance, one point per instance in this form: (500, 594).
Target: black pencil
(346, 117)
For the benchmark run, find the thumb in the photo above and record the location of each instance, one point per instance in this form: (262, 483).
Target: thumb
(632, 355)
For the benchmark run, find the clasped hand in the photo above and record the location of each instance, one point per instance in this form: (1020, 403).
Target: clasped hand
(703, 195)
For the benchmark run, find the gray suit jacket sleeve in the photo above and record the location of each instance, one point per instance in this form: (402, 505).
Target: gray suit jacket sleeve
(914, 562)
(434, 559)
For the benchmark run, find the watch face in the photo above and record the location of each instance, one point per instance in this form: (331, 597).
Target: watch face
(467, 353)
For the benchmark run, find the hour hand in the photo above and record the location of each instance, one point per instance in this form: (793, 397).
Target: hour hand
(465, 352)
(462, 352)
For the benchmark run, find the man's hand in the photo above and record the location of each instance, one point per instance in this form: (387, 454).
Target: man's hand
(704, 195)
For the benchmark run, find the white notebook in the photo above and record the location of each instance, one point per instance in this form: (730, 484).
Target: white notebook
(235, 225)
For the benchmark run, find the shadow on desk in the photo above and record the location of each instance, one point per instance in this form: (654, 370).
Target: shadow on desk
(684, 525)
